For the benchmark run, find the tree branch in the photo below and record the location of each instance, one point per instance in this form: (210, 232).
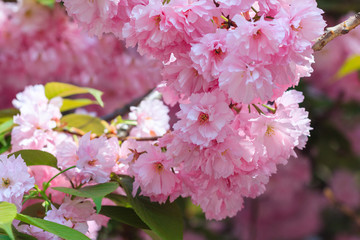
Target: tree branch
(336, 31)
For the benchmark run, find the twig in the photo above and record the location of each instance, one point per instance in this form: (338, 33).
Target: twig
(125, 109)
(336, 31)
(342, 207)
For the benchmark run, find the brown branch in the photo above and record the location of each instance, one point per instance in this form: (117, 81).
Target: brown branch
(346, 210)
(336, 31)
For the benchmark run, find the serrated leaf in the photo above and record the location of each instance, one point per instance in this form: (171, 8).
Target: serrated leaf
(7, 215)
(57, 89)
(55, 228)
(69, 104)
(86, 123)
(123, 215)
(95, 191)
(351, 65)
(37, 157)
(164, 219)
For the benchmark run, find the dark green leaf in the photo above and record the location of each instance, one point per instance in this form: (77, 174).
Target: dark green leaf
(97, 201)
(123, 215)
(37, 157)
(83, 122)
(164, 219)
(55, 228)
(120, 200)
(95, 191)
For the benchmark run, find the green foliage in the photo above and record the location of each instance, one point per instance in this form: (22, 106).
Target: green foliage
(55, 228)
(37, 157)
(96, 192)
(351, 65)
(84, 123)
(164, 219)
(7, 114)
(7, 215)
(69, 104)
(57, 89)
(123, 215)
(48, 3)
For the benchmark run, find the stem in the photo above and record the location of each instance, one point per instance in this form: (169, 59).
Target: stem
(273, 110)
(258, 109)
(60, 173)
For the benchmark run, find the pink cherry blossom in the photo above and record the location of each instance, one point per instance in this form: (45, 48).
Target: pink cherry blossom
(15, 179)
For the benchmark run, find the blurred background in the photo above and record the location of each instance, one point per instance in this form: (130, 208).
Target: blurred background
(315, 196)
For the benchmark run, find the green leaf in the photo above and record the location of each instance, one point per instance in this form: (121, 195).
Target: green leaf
(36, 157)
(6, 127)
(57, 89)
(95, 191)
(8, 114)
(97, 201)
(48, 3)
(123, 215)
(351, 65)
(164, 219)
(85, 123)
(7, 215)
(69, 104)
(120, 200)
(55, 228)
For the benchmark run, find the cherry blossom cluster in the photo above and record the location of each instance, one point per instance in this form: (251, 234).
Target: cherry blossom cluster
(228, 64)
(39, 44)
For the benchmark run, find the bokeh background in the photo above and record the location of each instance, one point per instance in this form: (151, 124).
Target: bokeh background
(315, 196)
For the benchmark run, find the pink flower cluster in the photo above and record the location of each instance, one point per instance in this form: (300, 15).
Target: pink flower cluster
(39, 44)
(225, 60)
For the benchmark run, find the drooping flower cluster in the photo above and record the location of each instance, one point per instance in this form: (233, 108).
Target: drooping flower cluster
(225, 60)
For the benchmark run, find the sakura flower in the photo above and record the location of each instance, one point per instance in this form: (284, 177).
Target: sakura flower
(345, 188)
(203, 119)
(153, 174)
(15, 179)
(93, 162)
(152, 118)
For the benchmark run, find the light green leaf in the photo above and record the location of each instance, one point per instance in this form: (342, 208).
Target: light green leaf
(7, 215)
(351, 65)
(83, 122)
(6, 126)
(8, 114)
(57, 89)
(69, 104)
(48, 3)
(95, 191)
(37, 157)
(55, 228)
(123, 215)
(164, 219)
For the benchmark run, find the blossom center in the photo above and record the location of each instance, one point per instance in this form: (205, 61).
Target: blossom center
(92, 162)
(6, 182)
(159, 167)
(203, 118)
(157, 19)
(257, 35)
(218, 51)
(270, 131)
